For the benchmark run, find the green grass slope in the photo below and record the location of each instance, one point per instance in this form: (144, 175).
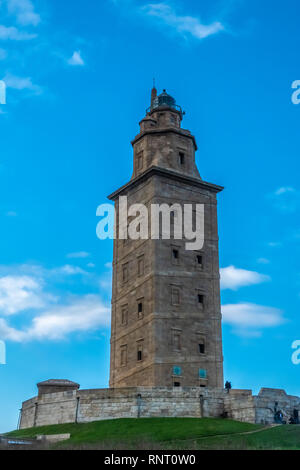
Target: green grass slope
(171, 433)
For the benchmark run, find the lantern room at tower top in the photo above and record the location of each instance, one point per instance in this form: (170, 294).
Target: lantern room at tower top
(164, 100)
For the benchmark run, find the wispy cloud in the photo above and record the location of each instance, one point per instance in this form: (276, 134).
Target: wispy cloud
(263, 261)
(70, 270)
(234, 278)
(249, 319)
(182, 24)
(274, 244)
(76, 59)
(11, 214)
(24, 11)
(286, 199)
(284, 190)
(79, 254)
(22, 83)
(82, 314)
(19, 293)
(14, 34)
(31, 293)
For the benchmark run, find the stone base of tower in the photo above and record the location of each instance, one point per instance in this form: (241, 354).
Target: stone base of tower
(71, 405)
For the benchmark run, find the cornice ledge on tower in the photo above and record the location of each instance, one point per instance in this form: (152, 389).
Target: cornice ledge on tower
(166, 130)
(154, 170)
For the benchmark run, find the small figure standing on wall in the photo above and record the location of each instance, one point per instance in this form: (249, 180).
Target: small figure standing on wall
(228, 386)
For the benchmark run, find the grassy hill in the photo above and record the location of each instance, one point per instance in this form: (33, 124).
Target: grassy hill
(170, 433)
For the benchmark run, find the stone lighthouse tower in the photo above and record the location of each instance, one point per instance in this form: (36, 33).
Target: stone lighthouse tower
(166, 318)
(166, 339)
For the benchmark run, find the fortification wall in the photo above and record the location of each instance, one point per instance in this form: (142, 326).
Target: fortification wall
(28, 413)
(98, 404)
(240, 406)
(82, 406)
(270, 399)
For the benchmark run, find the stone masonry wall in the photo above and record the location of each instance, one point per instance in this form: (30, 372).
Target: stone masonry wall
(270, 398)
(99, 404)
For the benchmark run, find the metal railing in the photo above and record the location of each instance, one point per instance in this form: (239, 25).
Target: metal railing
(173, 106)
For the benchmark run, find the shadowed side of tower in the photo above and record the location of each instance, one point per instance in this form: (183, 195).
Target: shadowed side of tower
(166, 318)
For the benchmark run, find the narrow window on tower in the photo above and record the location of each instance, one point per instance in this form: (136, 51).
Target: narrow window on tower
(199, 261)
(200, 298)
(177, 384)
(140, 352)
(124, 315)
(140, 308)
(202, 347)
(175, 254)
(125, 272)
(124, 355)
(139, 161)
(173, 119)
(181, 158)
(141, 266)
(175, 296)
(177, 340)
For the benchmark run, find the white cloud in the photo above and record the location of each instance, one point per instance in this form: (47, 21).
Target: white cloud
(37, 271)
(274, 244)
(18, 293)
(284, 190)
(12, 33)
(84, 314)
(81, 315)
(26, 290)
(79, 254)
(69, 270)
(9, 333)
(11, 214)
(286, 199)
(263, 261)
(21, 83)
(182, 24)
(76, 59)
(24, 11)
(233, 278)
(245, 316)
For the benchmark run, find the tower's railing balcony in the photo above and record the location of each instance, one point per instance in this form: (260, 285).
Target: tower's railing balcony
(176, 107)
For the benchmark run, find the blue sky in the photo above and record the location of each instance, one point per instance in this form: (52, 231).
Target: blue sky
(78, 78)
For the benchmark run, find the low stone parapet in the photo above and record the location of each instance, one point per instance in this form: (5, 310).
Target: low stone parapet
(81, 406)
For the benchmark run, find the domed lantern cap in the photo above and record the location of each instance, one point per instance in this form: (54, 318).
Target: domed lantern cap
(164, 100)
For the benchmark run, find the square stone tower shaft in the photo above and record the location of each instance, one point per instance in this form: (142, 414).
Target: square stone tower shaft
(166, 316)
